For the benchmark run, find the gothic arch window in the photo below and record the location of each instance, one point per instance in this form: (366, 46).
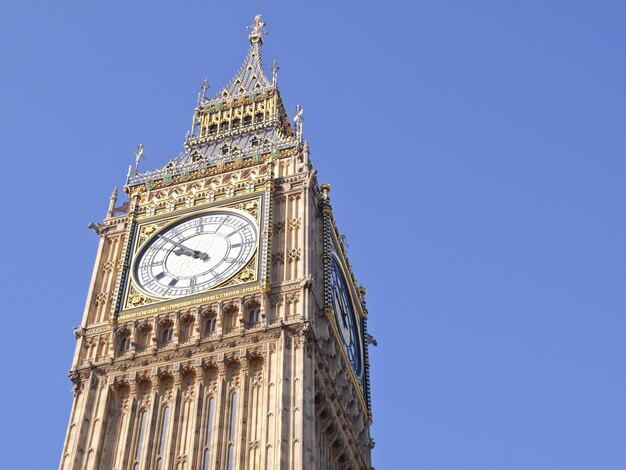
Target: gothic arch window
(124, 345)
(247, 120)
(208, 434)
(166, 336)
(212, 129)
(143, 338)
(230, 318)
(186, 329)
(232, 429)
(210, 324)
(139, 440)
(254, 314)
(123, 342)
(236, 123)
(165, 414)
(258, 117)
(166, 333)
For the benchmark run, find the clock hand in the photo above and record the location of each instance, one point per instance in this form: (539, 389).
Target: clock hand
(193, 253)
(183, 250)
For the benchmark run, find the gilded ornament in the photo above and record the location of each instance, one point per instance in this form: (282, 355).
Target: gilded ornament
(136, 300)
(238, 163)
(251, 207)
(246, 275)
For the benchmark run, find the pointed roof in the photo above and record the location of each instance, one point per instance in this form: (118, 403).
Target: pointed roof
(250, 78)
(244, 120)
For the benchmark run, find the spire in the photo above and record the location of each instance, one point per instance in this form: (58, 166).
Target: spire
(245, 121)
(251, 77)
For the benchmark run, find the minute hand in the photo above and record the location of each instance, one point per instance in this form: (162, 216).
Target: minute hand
(182, 249)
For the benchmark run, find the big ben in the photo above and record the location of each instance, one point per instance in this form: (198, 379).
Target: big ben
(224, 327)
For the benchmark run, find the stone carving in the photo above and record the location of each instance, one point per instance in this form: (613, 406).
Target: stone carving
(108, 266)
(294, 254)
(257, 378)
(101, 297)
(135, 299)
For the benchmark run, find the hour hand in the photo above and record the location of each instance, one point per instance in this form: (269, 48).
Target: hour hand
(183, 250)
(193, 253)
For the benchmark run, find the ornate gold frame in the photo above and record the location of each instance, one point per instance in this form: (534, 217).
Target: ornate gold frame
(143, 242)
(144, 230)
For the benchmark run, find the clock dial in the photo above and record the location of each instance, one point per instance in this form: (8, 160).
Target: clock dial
(344, 315)
(195, 254)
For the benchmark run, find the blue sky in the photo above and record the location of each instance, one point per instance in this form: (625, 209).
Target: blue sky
(477, 156)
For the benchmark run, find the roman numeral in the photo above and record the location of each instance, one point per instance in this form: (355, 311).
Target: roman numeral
(199, 226)
(222, 223)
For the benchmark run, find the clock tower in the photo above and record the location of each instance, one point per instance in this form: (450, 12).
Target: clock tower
(223, 328)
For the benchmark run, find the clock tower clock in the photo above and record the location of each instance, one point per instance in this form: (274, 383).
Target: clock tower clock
(223, 327)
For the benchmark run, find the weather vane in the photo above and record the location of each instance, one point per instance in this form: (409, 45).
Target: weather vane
(257, 26)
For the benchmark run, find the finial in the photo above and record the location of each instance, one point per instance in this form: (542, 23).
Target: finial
(274, 73)
(138, 156)
(205, 87)
(325, 188)
(297, 120)
(257, 30)
(112, 202)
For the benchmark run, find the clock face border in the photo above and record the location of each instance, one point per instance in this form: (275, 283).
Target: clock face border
(124, 309)
(333, 249)
(143, 246)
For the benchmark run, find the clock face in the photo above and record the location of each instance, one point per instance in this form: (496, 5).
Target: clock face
(195, 254)
(344, 315)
